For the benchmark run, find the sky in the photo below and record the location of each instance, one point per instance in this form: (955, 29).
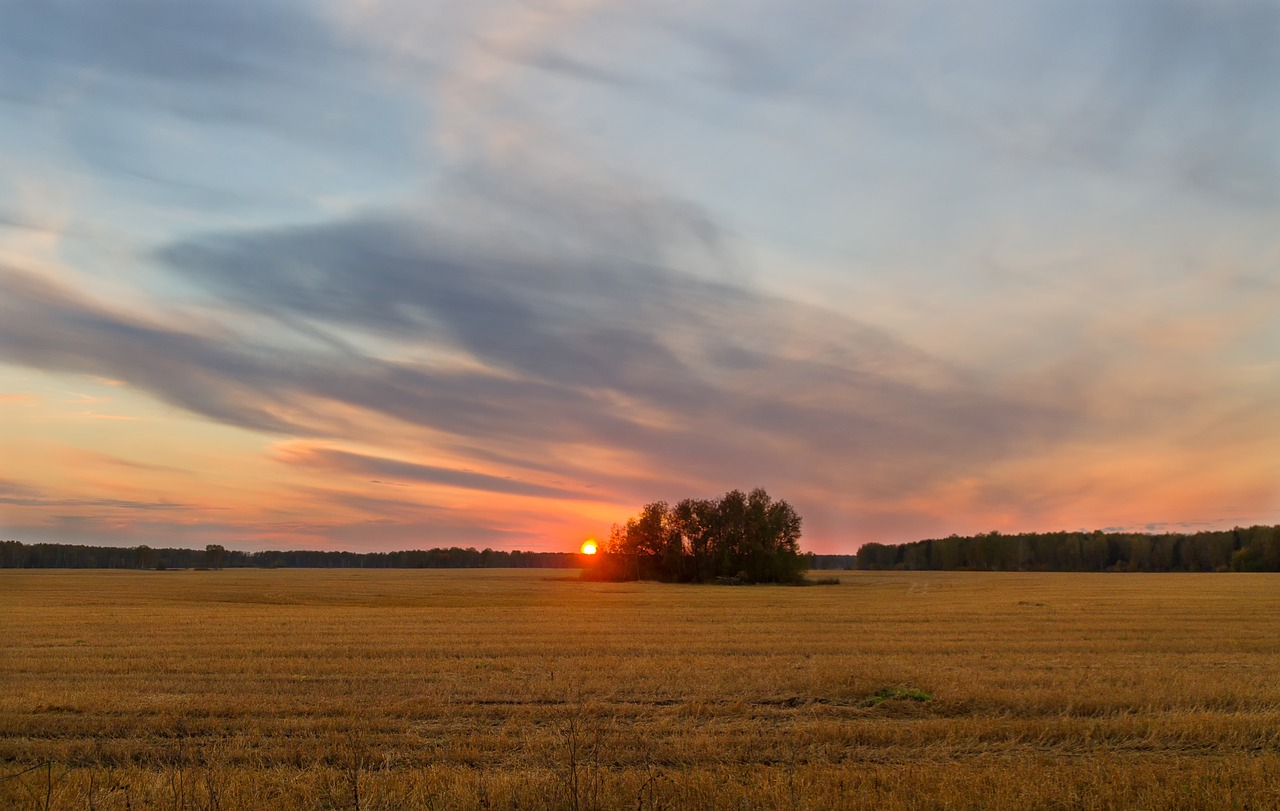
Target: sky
(399, 274)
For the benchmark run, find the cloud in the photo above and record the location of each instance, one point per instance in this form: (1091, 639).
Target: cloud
(47, 326)
(215, 45)
(147, 98)
(1165, 92)
(20, 494)
(18, 223)
(323, 532)
(357, 464)
(551, 320)
(12, 489)
(116, 503)
(586, 325)
(541, 316)
(662, 379)
(742, 65)
(23, 496)
(86, 458)
(580, 69)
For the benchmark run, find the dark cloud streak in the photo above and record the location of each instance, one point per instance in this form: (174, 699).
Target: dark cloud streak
(364, 465)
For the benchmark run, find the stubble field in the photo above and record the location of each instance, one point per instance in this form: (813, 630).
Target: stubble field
(503, 689)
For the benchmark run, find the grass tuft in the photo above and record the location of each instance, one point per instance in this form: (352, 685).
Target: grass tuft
(903, 693)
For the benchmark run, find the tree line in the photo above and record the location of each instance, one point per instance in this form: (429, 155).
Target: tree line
(743, 537)
(1255, 549)
(17, 555)
(731, 538)
(829, 562)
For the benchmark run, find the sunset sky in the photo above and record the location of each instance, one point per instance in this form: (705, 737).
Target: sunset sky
(387, 275)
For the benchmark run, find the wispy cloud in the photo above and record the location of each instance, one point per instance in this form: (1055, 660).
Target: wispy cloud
(357, 464)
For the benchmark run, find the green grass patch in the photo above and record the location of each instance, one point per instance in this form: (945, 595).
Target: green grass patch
(901, 693)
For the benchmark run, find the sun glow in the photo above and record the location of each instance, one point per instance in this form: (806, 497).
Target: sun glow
(589, 546)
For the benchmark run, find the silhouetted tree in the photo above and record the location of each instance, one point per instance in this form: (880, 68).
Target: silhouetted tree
(214, 555)
(144, 556)
(750, 537)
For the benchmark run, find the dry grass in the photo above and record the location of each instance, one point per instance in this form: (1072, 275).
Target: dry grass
(497, 689)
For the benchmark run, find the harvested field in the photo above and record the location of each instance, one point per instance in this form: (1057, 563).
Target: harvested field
(504, 688)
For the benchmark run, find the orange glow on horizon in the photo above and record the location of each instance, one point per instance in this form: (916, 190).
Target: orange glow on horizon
(589, 546)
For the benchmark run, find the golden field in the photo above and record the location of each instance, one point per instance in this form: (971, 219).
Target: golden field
(481, 689)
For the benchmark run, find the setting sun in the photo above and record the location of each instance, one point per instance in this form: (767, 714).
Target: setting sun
(589, 546)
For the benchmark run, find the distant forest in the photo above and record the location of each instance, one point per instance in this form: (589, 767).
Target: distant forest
(1256, 549)
(16, 555)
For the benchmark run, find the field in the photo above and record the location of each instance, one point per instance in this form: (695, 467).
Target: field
(503, 689)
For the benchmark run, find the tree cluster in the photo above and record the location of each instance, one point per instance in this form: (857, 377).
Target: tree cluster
(746, 537)
(1255, 549)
